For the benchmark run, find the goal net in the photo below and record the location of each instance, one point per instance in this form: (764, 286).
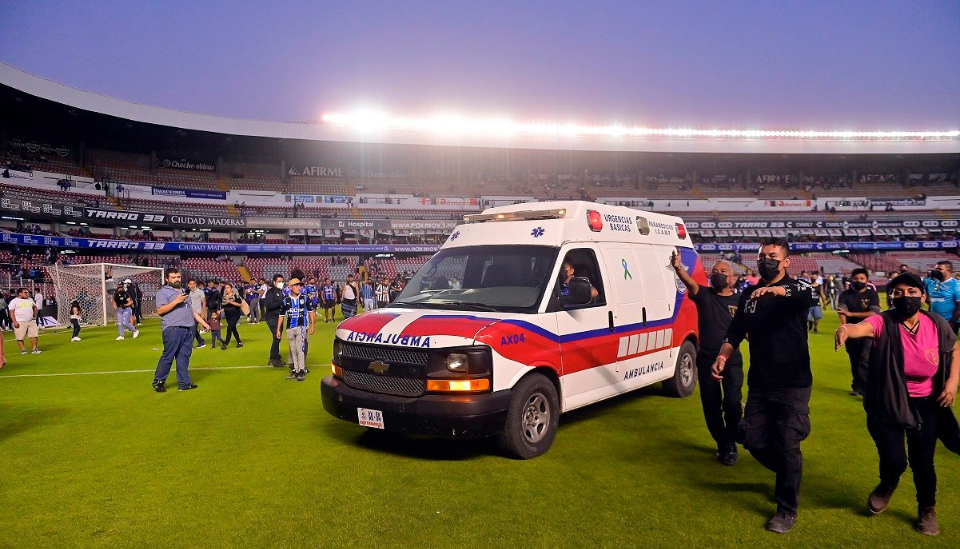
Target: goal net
(92, 286)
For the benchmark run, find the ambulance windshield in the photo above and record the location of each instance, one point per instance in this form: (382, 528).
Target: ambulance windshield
(484, 278)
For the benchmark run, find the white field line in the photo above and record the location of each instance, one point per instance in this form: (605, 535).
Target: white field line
(130, 371)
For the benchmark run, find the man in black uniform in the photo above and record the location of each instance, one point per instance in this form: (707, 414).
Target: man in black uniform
(856, 304)
(273, 301)
(716, 306)
(773, 313)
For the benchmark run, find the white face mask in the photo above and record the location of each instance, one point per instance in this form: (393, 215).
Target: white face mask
(279, 285)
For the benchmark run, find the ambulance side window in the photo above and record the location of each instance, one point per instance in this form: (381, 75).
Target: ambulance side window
(584, 263)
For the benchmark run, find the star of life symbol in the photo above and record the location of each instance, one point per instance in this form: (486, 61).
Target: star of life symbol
(454, 236)
(538, 232)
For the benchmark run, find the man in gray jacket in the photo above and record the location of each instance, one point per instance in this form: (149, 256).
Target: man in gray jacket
(196, 302)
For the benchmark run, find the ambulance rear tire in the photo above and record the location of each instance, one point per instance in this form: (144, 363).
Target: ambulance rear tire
(684, 379)
(532, 418)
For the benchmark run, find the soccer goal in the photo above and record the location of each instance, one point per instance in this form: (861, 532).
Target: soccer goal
(92, 285)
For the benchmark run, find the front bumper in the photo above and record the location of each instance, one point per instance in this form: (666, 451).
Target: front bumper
(460, 416)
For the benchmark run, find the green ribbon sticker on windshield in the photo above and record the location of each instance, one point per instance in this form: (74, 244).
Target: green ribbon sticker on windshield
(626, 271)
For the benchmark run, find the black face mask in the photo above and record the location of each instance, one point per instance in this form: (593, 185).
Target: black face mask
(858, 285)
(906, 306)
(936, 275)
(718, 281)
(769, 268)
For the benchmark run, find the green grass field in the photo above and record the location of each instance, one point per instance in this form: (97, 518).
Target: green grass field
(251, 460)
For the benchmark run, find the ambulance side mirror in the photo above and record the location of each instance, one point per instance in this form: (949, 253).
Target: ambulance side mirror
(578, 293)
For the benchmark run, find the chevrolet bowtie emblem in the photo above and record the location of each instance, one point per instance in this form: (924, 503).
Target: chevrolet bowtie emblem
(379, 367)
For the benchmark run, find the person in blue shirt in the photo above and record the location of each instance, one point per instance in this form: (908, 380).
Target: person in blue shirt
(566, 275)
(943, 293)
(312, 291)
(297, 312)
(366, 293)
(328, 297)
(177, 321)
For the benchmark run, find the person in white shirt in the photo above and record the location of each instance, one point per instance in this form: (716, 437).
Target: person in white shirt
(24, 312)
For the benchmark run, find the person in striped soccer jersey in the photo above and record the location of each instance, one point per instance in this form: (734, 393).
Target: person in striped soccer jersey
(328, 297)
(297, 312)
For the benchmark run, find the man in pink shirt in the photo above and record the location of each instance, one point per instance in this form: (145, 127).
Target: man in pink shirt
(911, 385)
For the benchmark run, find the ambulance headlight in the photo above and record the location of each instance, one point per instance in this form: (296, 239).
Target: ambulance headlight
(469, 361)
(458, 362)
(337, 350)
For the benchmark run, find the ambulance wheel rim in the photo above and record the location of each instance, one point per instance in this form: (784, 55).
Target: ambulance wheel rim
(686, 370)
(536, 418)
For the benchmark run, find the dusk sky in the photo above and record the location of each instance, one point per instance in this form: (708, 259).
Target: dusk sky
(885, 65)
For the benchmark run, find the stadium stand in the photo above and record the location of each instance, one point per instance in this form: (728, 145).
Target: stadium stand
(274, 190)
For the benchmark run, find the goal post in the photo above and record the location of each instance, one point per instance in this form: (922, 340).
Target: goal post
(92, 284)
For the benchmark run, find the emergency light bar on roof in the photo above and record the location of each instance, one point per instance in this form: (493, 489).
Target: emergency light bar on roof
(516, 216)
(376, 121)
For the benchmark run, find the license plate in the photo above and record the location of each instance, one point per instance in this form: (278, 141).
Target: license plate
(370, 418)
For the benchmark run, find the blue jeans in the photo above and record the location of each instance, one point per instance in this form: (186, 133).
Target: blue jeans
(123, 320)
(177, 345)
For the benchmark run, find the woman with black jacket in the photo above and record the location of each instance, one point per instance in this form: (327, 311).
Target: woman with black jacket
(911, 387)
(232, 302)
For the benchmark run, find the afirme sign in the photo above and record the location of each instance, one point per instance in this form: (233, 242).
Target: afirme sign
(316, 171)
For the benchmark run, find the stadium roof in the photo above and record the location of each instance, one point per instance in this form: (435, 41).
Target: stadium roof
(499, 134)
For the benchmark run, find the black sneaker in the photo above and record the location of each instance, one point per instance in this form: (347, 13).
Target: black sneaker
(292, 375)
(188, 387)
(927, 522)
(239, 344)
(223, 347)
(300, 375)
(201, 346)
(729, 456)
(782, 522)
(159, 387)
(879, 498)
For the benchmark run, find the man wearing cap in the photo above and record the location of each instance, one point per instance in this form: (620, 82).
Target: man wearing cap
(911, 387)
(298, 312)
(856, 304)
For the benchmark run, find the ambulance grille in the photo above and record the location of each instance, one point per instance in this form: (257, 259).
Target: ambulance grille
(390, 355)
(398, 386)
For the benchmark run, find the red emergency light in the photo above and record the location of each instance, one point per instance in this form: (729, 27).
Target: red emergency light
(594, 220)
(681, 231)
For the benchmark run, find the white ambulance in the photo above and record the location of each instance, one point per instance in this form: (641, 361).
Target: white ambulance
(496, 336)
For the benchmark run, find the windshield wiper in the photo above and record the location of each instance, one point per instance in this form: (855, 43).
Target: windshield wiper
(408, 304)
(472, 305)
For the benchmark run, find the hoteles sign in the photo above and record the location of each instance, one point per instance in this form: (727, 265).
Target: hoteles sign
(41, 208)
(173, 220)
(946, 223)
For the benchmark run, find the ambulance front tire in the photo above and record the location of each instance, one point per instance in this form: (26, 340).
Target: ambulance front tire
(532, 418)
(684, 379)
